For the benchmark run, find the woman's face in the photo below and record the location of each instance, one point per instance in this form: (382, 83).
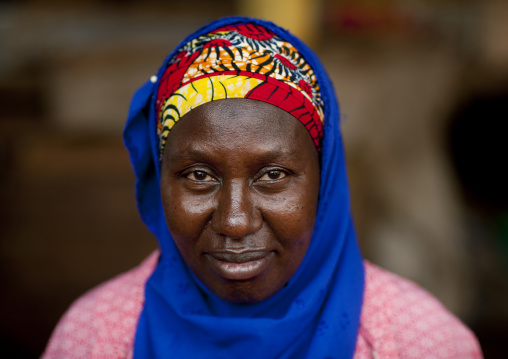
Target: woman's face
(239, 185)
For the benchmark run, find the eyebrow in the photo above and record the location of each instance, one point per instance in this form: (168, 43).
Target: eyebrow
(195, 153)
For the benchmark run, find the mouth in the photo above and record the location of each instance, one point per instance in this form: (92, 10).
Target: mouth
(239, 265)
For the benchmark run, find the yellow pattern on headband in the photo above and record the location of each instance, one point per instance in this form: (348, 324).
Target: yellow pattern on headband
(202, 91)
(239, 61)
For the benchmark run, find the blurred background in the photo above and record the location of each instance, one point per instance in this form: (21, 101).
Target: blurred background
(423, 87)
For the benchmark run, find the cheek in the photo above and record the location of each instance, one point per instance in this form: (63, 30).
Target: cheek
(186, 215)
(291, 216)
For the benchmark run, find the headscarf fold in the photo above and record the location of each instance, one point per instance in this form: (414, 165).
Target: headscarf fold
(316, 315)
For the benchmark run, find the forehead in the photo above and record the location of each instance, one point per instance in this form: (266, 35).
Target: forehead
(239, 124)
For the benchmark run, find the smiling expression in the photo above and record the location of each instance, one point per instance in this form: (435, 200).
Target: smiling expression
(239, 186)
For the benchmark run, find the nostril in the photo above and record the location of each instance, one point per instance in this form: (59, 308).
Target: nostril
(236, 215)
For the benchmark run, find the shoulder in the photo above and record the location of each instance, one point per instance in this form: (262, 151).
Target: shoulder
(103, 321)
(402, 320)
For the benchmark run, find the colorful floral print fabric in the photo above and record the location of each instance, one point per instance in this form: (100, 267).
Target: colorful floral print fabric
(239, 61)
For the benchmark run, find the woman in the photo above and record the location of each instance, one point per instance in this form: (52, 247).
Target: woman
(241, 177)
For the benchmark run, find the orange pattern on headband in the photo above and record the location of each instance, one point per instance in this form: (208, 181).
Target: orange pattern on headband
(239, 61)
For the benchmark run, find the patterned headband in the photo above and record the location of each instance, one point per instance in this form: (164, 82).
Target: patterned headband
(239, 61)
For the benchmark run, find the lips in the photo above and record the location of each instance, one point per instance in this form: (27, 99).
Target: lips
(239, 265)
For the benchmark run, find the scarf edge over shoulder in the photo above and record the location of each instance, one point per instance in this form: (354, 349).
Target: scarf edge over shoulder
(318, 311)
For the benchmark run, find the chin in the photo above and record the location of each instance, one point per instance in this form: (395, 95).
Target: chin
(243, 292)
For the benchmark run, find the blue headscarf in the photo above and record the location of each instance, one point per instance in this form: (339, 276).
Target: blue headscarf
(316, 315)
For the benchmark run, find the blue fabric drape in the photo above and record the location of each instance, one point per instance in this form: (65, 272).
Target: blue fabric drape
(315, 316)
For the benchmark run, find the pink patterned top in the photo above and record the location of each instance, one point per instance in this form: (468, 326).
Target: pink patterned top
(398, 320)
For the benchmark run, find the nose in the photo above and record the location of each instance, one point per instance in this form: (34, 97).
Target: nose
(235, 215)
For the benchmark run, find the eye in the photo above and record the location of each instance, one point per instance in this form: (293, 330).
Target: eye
(199, 176)
(273, 175)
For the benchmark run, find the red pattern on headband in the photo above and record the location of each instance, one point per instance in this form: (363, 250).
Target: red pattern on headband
(248, 50)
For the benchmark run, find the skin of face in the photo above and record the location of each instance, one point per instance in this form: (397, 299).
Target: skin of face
(239, 186)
